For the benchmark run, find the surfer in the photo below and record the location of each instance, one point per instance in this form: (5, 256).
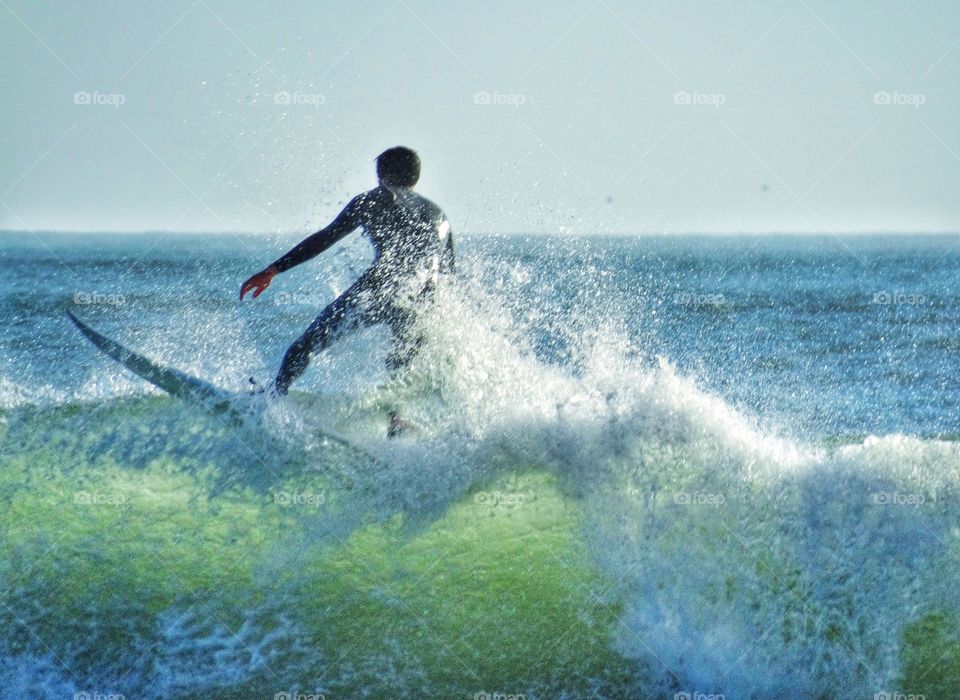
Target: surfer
(413, 246)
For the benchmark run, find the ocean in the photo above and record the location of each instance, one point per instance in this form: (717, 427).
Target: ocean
(648, 467)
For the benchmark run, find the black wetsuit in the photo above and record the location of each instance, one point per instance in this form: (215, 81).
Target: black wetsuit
(413, 244)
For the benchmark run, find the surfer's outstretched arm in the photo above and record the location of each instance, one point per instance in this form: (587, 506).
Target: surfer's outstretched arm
(310, 247)
(348, 220)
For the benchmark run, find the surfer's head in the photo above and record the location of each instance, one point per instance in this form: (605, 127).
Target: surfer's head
(398, 167)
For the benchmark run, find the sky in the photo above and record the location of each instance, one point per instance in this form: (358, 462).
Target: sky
(600, 116)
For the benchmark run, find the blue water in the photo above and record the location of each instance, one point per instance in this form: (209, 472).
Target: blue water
(787, 328)
(648, 466)
(791, 329)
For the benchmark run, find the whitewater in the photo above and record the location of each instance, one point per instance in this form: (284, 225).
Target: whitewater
(649, 468)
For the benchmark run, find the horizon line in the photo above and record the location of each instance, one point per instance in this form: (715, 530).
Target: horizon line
(850, 232)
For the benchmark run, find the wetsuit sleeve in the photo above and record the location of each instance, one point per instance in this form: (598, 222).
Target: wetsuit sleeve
(346, 221)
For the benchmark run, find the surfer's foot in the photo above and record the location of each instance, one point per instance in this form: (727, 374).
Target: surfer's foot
(398, 426)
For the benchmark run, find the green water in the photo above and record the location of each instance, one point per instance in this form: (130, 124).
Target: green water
(144, 551)
(496, 597)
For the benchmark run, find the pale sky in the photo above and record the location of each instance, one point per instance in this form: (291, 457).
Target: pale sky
(606, 116)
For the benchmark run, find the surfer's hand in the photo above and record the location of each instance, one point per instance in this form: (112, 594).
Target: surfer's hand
(258, 282)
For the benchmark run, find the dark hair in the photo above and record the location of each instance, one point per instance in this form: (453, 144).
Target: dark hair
(398, 166)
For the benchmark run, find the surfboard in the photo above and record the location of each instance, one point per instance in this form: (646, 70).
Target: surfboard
(193, 390)
(176, 383)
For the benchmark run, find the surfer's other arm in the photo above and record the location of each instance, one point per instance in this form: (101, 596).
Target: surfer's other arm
(308, 248)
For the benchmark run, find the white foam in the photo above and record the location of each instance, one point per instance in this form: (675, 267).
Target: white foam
(750, 564)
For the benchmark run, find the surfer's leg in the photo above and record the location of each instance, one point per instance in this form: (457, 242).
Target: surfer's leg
(402, 320)
(405, 345)
(339, 316)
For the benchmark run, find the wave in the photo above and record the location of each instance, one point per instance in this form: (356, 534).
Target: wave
(734, 561)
